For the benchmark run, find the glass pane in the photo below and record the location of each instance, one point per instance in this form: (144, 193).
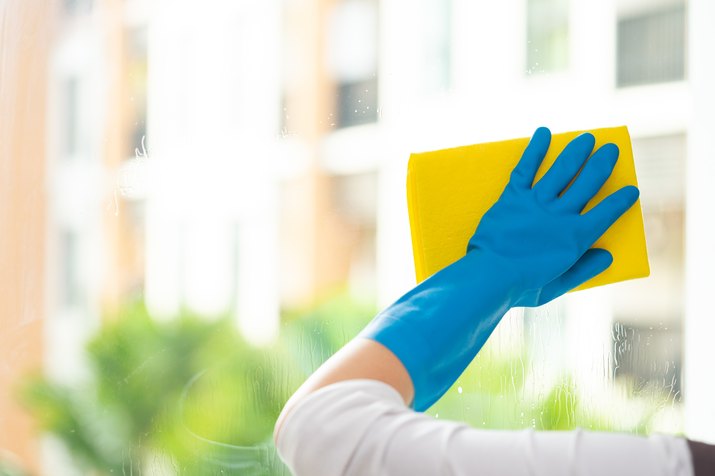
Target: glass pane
(237, 214)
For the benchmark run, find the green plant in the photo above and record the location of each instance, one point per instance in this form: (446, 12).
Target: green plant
(312, 335)
(188, 391)
(492, 393)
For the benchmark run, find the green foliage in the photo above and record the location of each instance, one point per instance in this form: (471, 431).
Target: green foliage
(491, 393)
(488, 394)
(312, 335)
(558, 410)
(193, 395)
(188, 390)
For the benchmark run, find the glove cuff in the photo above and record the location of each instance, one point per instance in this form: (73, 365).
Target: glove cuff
(437, 328)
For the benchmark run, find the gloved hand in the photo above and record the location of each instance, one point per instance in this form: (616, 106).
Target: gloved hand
(531, 246)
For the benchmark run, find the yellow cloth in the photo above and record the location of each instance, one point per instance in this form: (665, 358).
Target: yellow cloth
(448, 191)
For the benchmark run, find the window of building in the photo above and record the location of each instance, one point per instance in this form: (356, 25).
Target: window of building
(648, 313)
(70, 121)
(70, 278)
(547, 33)
(137, 84)
(357, 102)
(75, 7)
(352, 61)
(649, 358)
(651, 47)
(437, 44)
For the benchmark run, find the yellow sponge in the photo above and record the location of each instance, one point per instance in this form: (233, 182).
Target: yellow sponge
(448, 192)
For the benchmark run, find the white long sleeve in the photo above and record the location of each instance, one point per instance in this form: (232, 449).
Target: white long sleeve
(362, 427)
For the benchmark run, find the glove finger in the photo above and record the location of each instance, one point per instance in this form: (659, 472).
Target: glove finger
(525, 171)
(594, 174)
(593, 262)
(566, 166)
(605, 214)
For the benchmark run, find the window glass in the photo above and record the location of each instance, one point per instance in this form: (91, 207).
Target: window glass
(241, 215)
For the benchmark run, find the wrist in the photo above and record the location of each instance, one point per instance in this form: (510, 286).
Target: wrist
(438, 327)
(496, 272)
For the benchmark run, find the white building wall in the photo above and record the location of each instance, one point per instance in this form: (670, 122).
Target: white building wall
(210, 115)
(700, 227)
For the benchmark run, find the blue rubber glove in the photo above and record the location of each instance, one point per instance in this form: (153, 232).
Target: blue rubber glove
(531, 246)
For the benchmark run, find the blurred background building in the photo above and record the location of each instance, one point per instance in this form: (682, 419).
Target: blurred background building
(248, 157)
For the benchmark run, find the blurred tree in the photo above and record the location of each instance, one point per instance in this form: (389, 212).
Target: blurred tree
(185, 393)
(312, 335)
(491, 393)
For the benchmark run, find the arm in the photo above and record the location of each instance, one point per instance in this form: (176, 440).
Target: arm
(532, 246)
(359, 359)
(362, 427)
